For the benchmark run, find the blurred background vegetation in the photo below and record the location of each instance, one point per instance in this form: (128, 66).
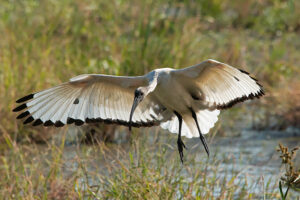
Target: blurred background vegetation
(44, 43)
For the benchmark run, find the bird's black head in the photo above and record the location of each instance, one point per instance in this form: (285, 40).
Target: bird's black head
(139, 95)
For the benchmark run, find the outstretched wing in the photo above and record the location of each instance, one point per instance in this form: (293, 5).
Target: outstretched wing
(90, 98)
(218, 85)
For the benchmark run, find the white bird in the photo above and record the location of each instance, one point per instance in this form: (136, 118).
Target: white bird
(184, 101)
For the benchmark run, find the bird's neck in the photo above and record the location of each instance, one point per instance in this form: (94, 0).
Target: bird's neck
(152, 81)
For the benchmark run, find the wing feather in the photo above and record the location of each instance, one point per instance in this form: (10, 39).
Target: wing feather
(90, 98)
(58, 112)
(206, 118)
(220, 85)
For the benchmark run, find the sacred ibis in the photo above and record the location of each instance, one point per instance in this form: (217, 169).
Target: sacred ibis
(184, 101)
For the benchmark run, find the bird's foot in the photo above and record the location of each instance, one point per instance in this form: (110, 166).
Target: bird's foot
(180, 146)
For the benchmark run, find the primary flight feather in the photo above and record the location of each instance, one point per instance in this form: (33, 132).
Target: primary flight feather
(184, 101)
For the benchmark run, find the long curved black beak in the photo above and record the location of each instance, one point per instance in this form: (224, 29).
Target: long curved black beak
(136, 101)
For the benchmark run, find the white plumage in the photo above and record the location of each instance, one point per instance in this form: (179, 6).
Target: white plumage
(162, 97)
(206, 119)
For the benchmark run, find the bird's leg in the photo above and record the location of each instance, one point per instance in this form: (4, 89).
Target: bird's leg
(180, 143)
(202, 138)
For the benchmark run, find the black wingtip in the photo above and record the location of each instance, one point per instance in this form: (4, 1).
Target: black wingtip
(78, 122)
(231, 103)
(37, 122)
(59, 124)
(70, 120)
(22, 115)
(28, 120)
(26, 98)
(243, 71)
(19, 108)
(48, 123)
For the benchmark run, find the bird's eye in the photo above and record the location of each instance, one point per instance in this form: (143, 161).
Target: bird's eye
(138, 93)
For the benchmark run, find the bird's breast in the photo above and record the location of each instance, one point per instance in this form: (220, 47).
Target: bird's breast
(173, 96)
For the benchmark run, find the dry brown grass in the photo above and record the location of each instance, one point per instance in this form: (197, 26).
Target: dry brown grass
(284, 104)
(291, 177)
